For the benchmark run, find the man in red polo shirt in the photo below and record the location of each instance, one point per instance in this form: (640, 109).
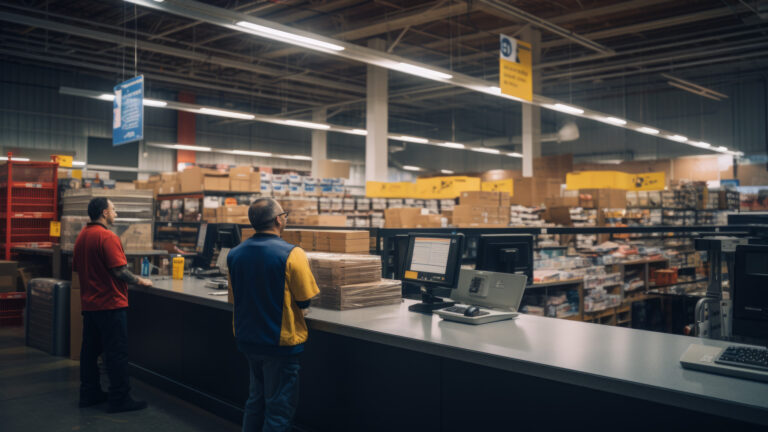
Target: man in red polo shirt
(102, 268)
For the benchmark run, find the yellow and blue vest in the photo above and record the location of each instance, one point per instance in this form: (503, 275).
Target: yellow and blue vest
(271, 282)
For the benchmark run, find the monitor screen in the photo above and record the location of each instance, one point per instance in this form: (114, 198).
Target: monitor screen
(506, 253)
(433, 259)
(201, 233)
(228, 235)
(750, 295)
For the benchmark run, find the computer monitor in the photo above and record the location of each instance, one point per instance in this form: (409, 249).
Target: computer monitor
(201, 233)
(227, 235)
(433, 261)
(750, 294)
(506, 253)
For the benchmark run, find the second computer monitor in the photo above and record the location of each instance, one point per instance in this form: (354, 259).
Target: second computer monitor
(433, 260)
(506, 253)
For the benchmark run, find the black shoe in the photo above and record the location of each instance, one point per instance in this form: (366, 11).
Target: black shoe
(126, 404)
(92, 400)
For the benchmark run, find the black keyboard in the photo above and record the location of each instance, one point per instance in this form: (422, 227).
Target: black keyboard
(746, 357)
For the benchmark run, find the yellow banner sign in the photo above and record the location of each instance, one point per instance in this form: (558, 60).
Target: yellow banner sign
(390, 190)
(615, 180)
(515, 71)
(55, 229)
(507, 186)
(445, 187)
(63, 160)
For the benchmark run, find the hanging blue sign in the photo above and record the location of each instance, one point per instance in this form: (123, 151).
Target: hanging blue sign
(128, 112)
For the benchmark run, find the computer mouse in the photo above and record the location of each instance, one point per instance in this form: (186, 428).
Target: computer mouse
(472, 311)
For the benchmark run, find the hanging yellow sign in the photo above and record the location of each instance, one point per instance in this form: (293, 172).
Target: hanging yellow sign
(390, 190)
(615, 180)
(445, 187)
(647, 181)
(55, 229)
(507, 186)
(515, 70)
(63, 160)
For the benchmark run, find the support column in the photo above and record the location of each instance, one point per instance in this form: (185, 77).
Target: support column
(319, 141)
(377, 119)
(531, 113)
(185, 131)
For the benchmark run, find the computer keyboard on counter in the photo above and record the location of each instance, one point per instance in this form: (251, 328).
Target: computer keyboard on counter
(746, 357)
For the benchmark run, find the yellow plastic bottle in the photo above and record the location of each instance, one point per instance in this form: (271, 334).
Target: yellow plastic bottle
(178, 267)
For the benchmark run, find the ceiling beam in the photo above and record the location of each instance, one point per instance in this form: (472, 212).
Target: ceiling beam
(177, 52)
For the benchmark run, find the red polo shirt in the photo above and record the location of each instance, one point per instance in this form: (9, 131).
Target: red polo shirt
(97, 250)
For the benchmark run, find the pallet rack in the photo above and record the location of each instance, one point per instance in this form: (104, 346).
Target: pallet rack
(28, 203)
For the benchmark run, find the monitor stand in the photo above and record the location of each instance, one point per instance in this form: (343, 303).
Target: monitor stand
(429, 302)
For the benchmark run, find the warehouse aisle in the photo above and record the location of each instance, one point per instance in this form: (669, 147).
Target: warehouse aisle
(38, 392)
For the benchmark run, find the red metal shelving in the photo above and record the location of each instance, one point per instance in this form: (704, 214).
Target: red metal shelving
(28, 203)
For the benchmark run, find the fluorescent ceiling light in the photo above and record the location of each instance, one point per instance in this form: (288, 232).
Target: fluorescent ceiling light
(411, 168)
(17, 159)
(700, 144)
(282, 36)
(359, 131)
(107, 97)
(515, 154)
(409, 139)
(78, 163)
(155, 103)
(306, 124)
(445, 171)
(224, 113)
(722, 148)
(191, 147)
(296, 157)
(421, 71)
(495, 90)
(648, 130)
(453, 145)
(251, 153)
(485, 150)
(678, 138)
(566, 108)
(615, 120)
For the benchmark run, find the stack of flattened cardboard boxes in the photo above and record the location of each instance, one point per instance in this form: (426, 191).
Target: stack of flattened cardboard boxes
(351, 281)
(299, 209)
(237, 214)
(341, 241)
(482, 209)
(405, 217)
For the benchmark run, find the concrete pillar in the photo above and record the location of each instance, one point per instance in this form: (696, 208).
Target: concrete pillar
(377, 118)
(319, 141)
(531, 113)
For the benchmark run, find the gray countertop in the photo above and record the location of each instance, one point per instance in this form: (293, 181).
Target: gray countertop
(625, 361)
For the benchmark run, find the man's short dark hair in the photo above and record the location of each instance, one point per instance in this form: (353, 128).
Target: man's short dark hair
(96, 207)
(262, 213)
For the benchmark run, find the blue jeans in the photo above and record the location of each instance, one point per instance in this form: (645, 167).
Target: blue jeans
(274, 393)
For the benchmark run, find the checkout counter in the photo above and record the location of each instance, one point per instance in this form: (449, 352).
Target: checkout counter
(385, 368)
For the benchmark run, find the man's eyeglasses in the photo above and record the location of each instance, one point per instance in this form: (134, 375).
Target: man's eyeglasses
(283, 213)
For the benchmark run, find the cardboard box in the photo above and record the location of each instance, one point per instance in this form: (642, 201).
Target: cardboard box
(533, 191)
(559, 215)
(603, 198)
(483, 199)
(401, 217)
(75, 318)
(217, 181)
(327, 220)
(237, 211)
(209, 214)
(243, 179)
(8, 275)
(191, 180)
(333, 168)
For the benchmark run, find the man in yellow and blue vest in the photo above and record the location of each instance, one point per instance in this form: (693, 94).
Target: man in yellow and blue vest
(271, 284)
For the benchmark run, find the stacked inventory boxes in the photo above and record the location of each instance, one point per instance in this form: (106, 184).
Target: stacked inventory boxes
(482, 209)
(134, 223)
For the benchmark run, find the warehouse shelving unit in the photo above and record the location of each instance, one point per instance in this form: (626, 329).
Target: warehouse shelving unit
(28, 203)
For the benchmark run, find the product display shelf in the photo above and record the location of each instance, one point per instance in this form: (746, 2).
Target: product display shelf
(28, 204)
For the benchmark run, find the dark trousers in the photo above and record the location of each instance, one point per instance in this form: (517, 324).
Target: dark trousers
(105, 333)
(274, 393)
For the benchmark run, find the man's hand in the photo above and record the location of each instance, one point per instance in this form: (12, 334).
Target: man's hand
(304, 312)
(144, 282)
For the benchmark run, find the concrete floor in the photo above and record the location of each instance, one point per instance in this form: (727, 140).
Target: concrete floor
(39, 392)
